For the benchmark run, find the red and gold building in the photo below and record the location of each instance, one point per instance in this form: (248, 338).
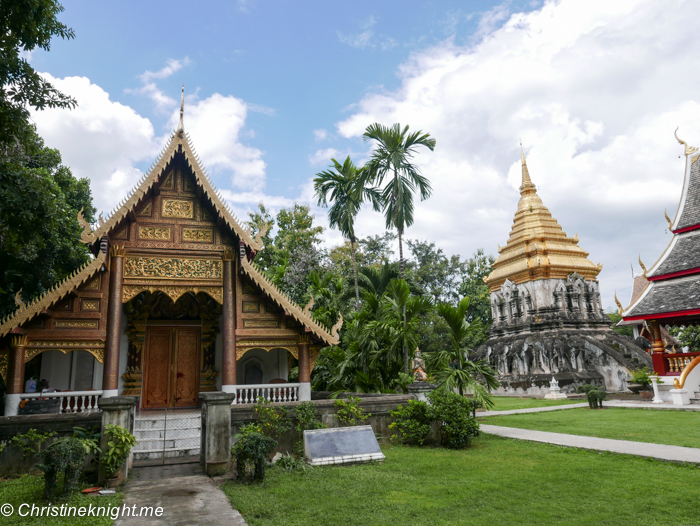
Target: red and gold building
(171, 304)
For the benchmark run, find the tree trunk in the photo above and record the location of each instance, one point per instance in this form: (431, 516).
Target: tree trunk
(354, 271)
(401, 255)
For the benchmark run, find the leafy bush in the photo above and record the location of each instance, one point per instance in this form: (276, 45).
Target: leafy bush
(119, 443)
(595, 398)
(306, 420)
(349, 413)
(452, 413)
(251, 452)
(65, 456)
(89, 439)
(29, 443)
(291, 464)
(585, 388)
(272, 421)
(641, 376)
(411, 423)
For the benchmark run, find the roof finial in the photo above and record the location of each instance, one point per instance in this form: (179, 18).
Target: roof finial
(689, 150)
(181, 126)
(526, 175)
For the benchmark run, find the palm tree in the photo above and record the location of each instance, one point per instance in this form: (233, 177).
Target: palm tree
(392, 157)
(399, 319)
(344, 186)
(455, 370)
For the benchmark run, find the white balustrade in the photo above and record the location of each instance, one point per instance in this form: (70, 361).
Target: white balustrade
(75, 401)
(249, 394)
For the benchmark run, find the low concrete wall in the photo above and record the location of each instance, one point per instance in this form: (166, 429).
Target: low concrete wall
(378, 406)
(11, 459)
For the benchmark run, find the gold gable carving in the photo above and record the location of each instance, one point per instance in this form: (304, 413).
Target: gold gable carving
(129, 292)
(172, 268)
(179, 208)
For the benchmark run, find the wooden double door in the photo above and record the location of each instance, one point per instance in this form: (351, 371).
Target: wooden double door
(172, 357)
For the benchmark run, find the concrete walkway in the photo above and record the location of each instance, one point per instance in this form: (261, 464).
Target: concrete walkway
(187, 496)
(642, 449)
(628, 447)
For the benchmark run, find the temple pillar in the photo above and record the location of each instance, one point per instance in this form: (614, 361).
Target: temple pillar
(15, 374)
(110, 376)
(657, 348)
(228, 329)
(304, 368)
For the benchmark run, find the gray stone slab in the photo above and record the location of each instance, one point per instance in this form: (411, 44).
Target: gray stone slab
(341, 445)
(627, 447)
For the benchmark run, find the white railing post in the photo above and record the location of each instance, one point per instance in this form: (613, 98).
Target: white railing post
(76, 401)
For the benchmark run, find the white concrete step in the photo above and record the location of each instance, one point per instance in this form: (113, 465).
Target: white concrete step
(157, 454)
(170, 433)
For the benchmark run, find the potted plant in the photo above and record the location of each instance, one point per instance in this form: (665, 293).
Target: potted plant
(641, 381)
(119, 444)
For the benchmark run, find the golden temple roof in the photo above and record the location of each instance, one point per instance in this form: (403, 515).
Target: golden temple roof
(538, 248)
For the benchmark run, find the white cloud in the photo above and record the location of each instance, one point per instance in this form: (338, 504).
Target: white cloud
(101, 139)
(366, 38)
(324, 156)
(320, 135)
(150, 89)
(595, 90)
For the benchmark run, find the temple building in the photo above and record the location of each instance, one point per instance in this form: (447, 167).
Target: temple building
(547, 313)
(171, 304)
(671, 296)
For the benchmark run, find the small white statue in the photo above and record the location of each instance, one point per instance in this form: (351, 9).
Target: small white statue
(554, 391)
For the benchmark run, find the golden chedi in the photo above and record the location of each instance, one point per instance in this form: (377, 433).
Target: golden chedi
(548, 320)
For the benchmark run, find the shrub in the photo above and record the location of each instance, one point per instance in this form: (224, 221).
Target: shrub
(251, 451)
(67, 456)
(411, 423)
(272, 421)
(306, 420)
(641, 376)
(595, 398)
(349, 413)
(585, 388)
(89, 439)
(29, 443)
(119, 443)
(452, 413)
(291, 464)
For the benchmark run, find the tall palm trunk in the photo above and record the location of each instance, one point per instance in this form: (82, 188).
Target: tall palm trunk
(354, 272)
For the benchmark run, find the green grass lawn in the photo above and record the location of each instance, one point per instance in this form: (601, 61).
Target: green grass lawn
(676, 428)
(496, 482)
(506, 403)
(30, 488)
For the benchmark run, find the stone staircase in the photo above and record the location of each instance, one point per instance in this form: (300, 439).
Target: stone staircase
(169, 437)
(696, 398)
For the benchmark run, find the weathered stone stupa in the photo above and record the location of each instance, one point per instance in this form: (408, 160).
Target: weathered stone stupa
(548, 318)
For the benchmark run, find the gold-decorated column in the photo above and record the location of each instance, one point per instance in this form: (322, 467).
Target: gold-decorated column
(304, 368)
(110, 377)
(228, 329)
(15, 374)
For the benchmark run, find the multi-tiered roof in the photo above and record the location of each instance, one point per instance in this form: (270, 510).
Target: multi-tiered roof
(673, 290)
(538, 248)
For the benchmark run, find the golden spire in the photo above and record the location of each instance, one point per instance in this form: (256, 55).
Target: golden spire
(181, 125)
(538, 248)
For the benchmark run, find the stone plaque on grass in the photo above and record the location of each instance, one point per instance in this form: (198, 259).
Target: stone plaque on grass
(341, 445)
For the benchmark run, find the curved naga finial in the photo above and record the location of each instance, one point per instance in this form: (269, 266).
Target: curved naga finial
(619, 305)
(689, 150)
(258, 237)
(87, 235)
(338, 325)
(309, 306)
(670, 223)
(644, 269)
(18, 300)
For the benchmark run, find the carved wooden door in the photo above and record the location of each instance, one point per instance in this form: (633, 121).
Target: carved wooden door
(156, 378)
(186, 366)
(171, 367)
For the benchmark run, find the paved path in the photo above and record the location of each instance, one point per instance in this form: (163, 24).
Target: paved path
(187, 496)
(642, 449)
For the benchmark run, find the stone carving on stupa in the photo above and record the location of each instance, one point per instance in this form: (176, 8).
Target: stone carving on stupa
(548, 318)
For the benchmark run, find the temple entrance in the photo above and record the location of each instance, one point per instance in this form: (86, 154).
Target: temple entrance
(172, 367)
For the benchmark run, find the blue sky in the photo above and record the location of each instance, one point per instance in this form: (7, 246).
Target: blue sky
(593, 88)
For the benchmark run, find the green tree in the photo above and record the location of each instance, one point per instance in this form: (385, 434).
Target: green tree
(377, 249)
(258, 221)
(24, 26)
(39, 231)
(474, 270)
(343, 186)
(453, 367)
(625, 330)
(434, 272)
(392, 156)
